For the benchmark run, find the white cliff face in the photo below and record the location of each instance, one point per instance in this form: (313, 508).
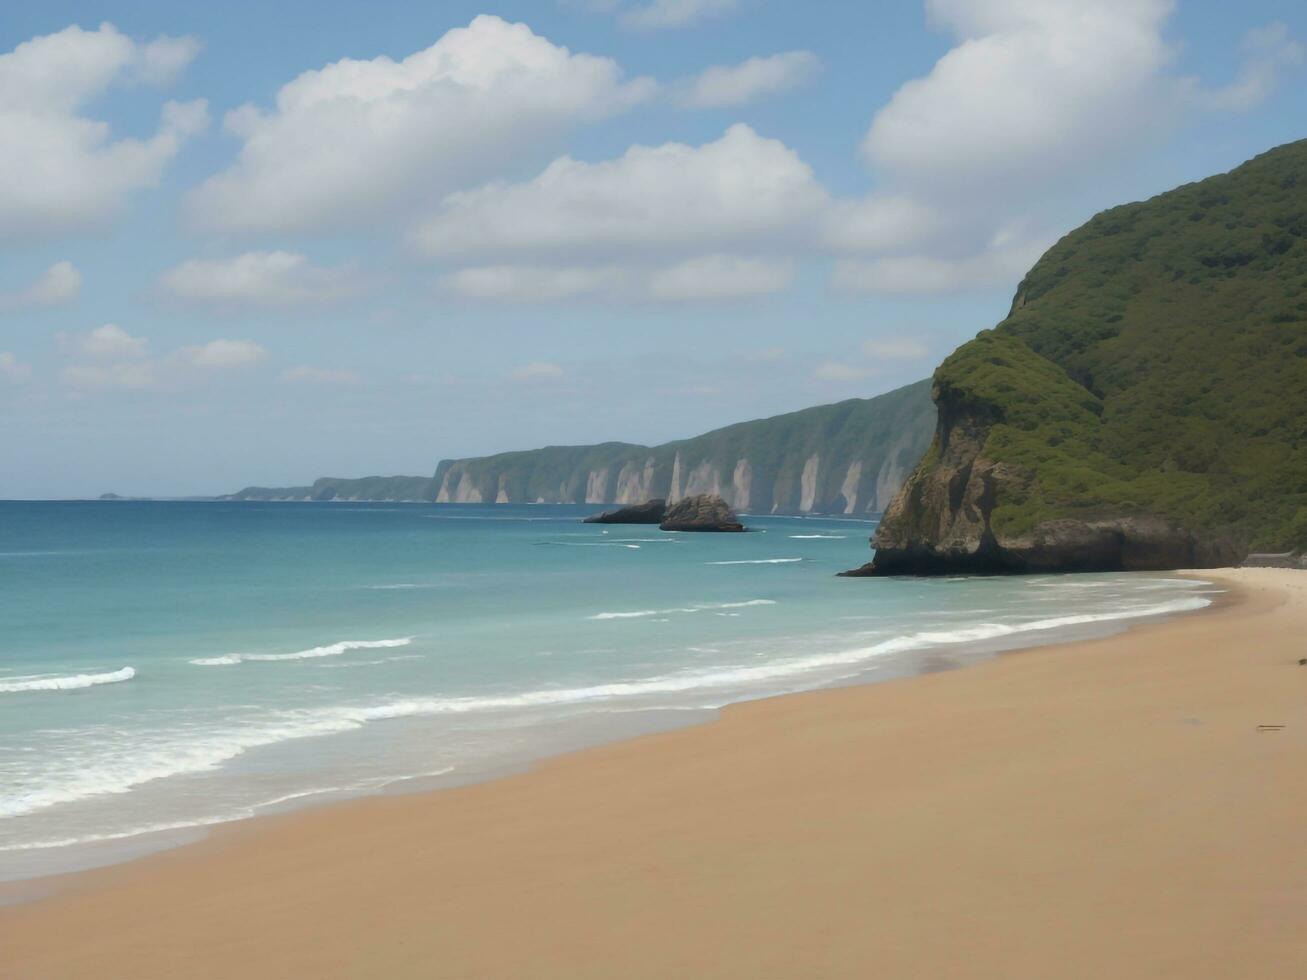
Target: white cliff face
(849, 489)
(442, 496)
(741, 485)
(467, 492)
(674, 491)
(704, 478)
(635, 483)
(596, 487)
(808, 483)
(893, 472)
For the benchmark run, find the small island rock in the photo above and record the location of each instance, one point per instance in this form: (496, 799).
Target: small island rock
(704, 512)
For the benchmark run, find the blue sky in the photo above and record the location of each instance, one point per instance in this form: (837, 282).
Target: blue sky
(469, 228)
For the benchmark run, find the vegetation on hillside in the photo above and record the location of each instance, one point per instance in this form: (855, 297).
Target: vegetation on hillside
(1155, 362)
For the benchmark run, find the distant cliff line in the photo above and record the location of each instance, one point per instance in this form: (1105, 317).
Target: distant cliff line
(847, 458)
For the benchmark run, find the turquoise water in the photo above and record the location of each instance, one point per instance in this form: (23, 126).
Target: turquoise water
(166, 666)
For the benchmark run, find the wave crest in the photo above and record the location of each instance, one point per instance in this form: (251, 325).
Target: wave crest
(330, 650)
(73, 682)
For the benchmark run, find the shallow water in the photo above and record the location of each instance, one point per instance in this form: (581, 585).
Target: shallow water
(168, 666)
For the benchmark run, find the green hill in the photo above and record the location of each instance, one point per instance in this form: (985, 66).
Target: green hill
(1144, 404)
(849, 457)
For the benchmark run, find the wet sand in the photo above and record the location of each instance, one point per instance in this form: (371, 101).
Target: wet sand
(1108, 808)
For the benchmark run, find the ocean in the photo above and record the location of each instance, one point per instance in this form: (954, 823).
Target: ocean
(167, 666)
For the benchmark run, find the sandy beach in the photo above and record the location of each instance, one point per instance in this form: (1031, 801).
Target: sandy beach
(1099, 809)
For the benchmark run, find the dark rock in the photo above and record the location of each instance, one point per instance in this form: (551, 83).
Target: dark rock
(704, 512)
(649, 512)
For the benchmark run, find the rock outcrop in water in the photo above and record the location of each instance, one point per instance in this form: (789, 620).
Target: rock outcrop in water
(702, 512)
(649, 512)
(1143, 404)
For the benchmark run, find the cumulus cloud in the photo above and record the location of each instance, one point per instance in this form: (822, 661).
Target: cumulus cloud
(60, 170)
(1031, 97)
(56, 286)
(261, 280)
(107, 343)
(310, 375)
(1001, 263)
(109, 357)
(537, 371)
(731, 85)
(12, 370)
(1029, 92)
(741, 190)
(720, 277)
(223, 354)
(360, 139)
(707, 278)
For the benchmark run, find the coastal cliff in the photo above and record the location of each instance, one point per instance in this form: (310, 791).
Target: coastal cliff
(846, 458)
(1144, 404)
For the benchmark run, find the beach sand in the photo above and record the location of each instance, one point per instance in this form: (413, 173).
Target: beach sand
(1105, 809)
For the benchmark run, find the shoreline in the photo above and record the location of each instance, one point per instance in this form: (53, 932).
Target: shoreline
(851, 825)
(30, 874)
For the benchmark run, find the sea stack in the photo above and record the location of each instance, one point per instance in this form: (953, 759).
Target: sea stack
(649, 512)
(704, 512)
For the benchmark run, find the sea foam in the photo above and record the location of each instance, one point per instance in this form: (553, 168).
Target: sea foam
(72, 682)
(642, 613)
(756, 561)
(330, 650)
(208, 749)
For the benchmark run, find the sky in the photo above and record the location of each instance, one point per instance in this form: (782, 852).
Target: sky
(251, 243)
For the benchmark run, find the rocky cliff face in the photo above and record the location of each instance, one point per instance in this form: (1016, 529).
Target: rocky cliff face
(847, 458)
(942, 520)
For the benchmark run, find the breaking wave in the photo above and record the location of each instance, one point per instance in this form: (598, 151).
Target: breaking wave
(72, 682)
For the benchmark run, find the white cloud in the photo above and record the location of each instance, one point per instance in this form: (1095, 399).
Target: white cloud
(999, 264)
(741, 190)
(261, 280)
(60, 170)
(532, 284)
(1268, 51)
(1030, 92)
(881, 222)
(107, 343)
(56, 286)
(895, 349)
(707, 278)
(12, 370)
(1032, 97)
(730, 85)
(537, 371)
(223, 354)
(108, 357)
(662, 14)
(308, 374)
(356, 141)
(720, 277)
(841, 373)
